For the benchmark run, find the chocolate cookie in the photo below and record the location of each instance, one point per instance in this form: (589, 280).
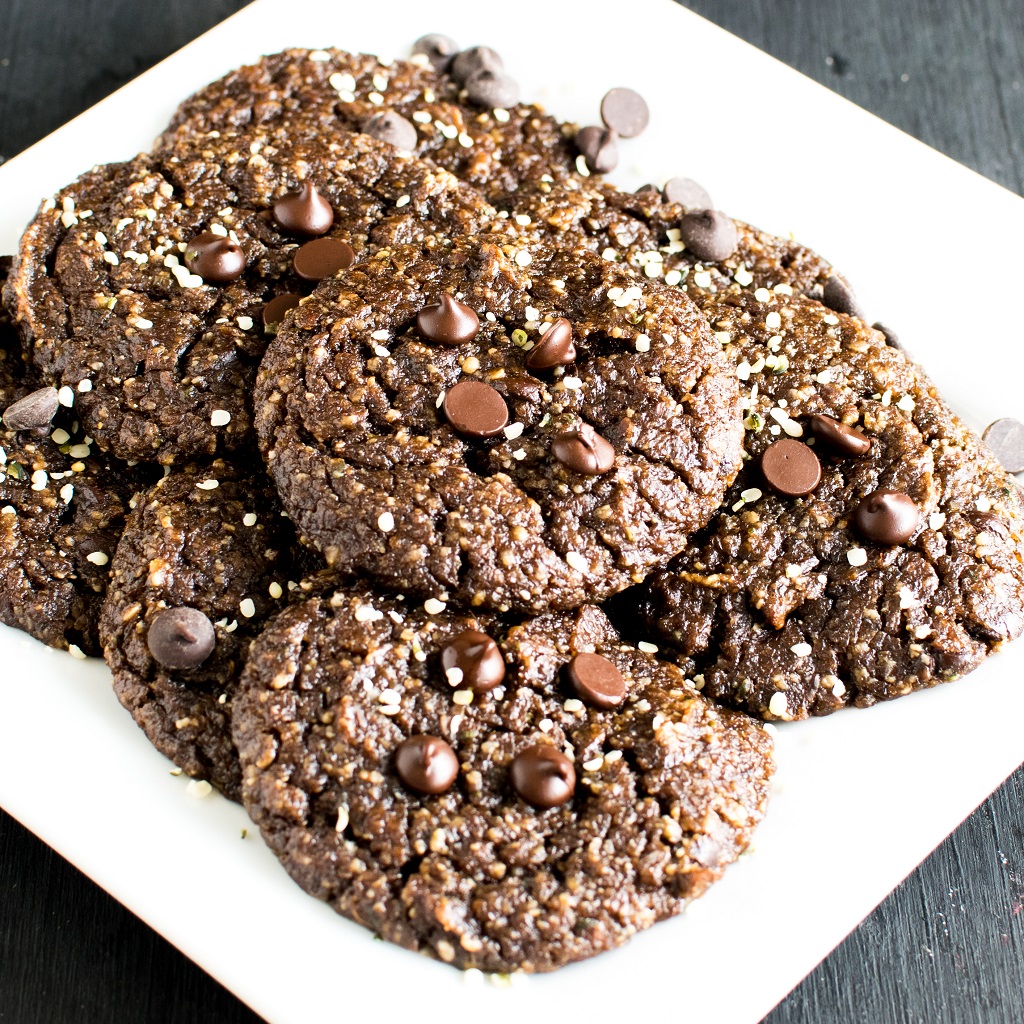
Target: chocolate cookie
(870, 546)
(144, 286)
(321, 91)
(520, 828)
(206, 558)
(62, 508)
(457, 451)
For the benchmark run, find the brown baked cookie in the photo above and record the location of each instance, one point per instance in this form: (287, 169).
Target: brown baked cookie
(144, 285)
(206, 558)
(903, 567)
(522, 826)
(62, 508)
(517, 469)
(321, 91)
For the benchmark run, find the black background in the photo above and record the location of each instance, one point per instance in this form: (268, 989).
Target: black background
(946, 947)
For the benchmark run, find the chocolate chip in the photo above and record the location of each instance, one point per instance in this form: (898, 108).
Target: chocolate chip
(437, 48)
(990, 524)
(475, 409)
(596, 681)
(448, 322)
(392, 128)
(1006, 439)
(887, 517)
(555, 347)
(275, 309)
(625, 112)
(647, 189)
(838, 296)
(790, 468)
(543, 776)
(839, 437)
(709, 234)
(33, 412)
(215, 258)
(687, 193)
(322, 258)
(583, 450)
(426, 764)
(491, 88)
(181, 638)
(304, 212)
(477, 58)
(891, 337)
(599, 147)
(477, 657)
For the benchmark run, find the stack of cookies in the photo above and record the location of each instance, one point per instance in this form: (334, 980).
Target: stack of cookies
(462, 515)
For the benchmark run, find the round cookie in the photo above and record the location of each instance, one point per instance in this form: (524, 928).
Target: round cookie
(111, 298)
(551, 829)
(320, 91)
(796, 606)
(209, 538)
(383, 448)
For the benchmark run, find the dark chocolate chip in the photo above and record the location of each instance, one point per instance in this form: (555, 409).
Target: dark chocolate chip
(304, 212)
(599, 147)
(477, 58)
(990, 524)
(596, 681)
(839, 437)
(709, 234)
(555, 347)
(838, 296)
(215, 258)
(647, 189)
(625, 112)
(181, 638)
(392, 128)
(426, 764)
(33, 412)
(583, 450)
(687, 193)
(1006, 439)
(490, 88)
(437, 48)
(790, 468)
(275, 309)
(448, 322)
(475, 409)
(543, 776)
(477, 657)
(891, 337)
(887, 517)
(322, 258)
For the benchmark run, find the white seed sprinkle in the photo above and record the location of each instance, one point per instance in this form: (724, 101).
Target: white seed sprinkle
(39, 479)
(937, 520)
(462, 697)
(922, 631)
(572, 383)
(743, 277)
(831, 319)
(220, 418)
(777, 705)
(79, 451)
(199, 789)
(381, 335)
(857, 556)
(454, 675)
(367, 613)
(60, 436)
(9, 510)
(432, 606)
(773, 321)
(581, 166)
(97, 557)
(702, 278)
(402, 201)
(610, 254)
(906, 403)
(577, 561)
(751, 494)
(343, 82)
(907, 599)
(208, 485)
(594, 764)
(249, 519)
(523, 258)
(84, 386)
(66, 397)
(572, 705)
(838, 688)
(801, 650)
(67, 492)
(385, 522)
(389, 696)
(247, 607)
(501, 114)
(390, 709)
(513, 430)
(342, 823)
(763, 295)
(643, 343)
(76, 652)
(647, 647)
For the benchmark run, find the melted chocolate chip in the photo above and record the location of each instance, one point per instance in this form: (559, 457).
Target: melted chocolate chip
(887, 517)
(687, 193)
(1006, 439)
(392, 128)
(426, 764)
(275, 309)
(596, 681)
(599, 147)
(322, 258)
(477, 657)
(583, 450)
(304, 212)
(840, 438)
(625, 112)
(214, 258)
(555, 347)
(490, 88)
(790, 468)
(709, 234)
(448, 322)
(475, 409)
(437, 48)
(543, 776)
(33, 412)
(181, 638)
(469, 62)
(838, 296)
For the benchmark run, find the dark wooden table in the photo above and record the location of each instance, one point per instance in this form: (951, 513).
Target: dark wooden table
(946, 947)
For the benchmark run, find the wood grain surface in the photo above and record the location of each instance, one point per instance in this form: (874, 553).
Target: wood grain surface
(946, 947)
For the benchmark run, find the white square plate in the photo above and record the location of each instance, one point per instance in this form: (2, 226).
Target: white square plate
(861, 797)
